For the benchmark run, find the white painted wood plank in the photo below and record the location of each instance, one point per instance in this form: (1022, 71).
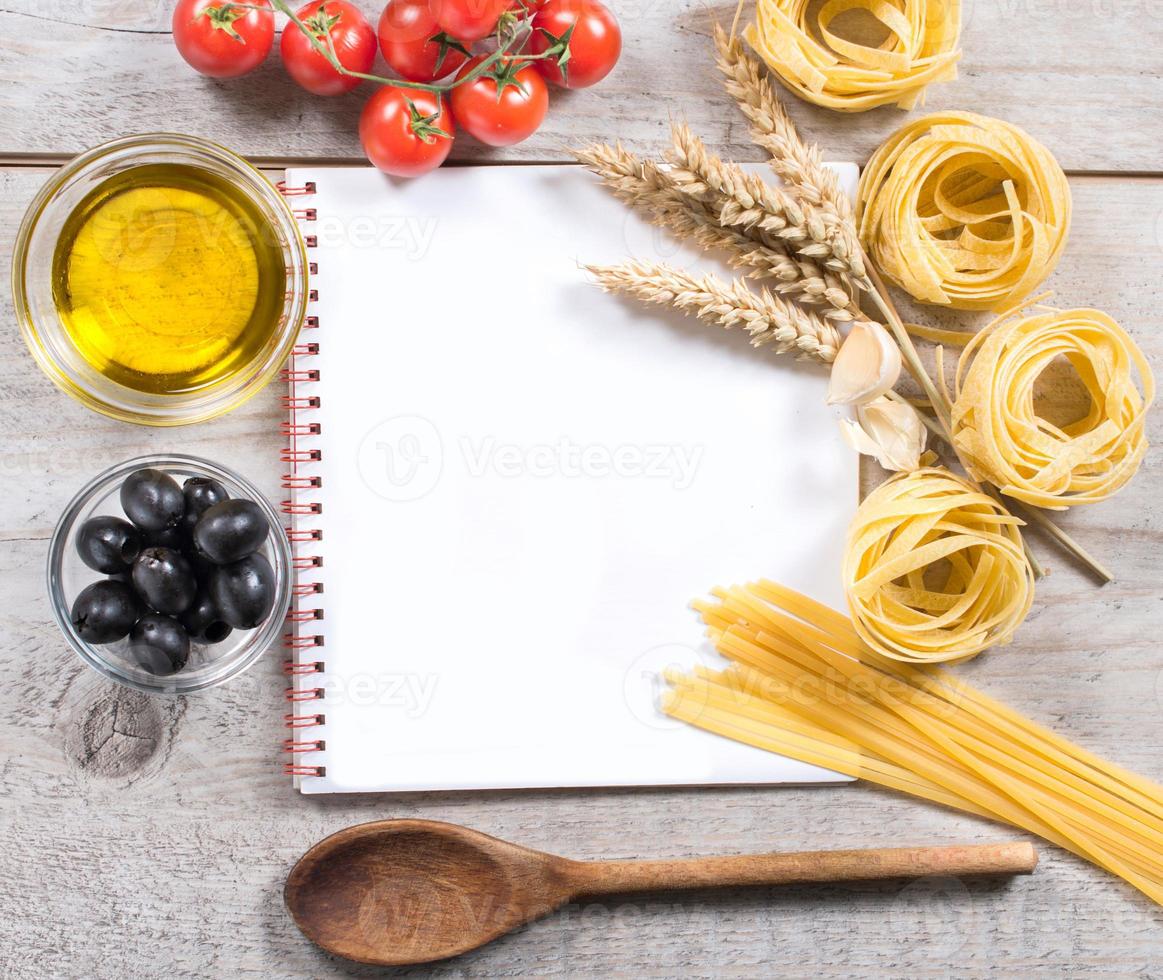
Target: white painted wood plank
(151, 836)
(1087, 80)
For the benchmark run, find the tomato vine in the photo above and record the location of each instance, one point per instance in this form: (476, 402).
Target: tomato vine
(512, 31)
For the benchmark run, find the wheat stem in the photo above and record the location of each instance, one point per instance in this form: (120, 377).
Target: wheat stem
(652, 192)
(768, 318)
(881, 297)
(797, 163)
(745, 200)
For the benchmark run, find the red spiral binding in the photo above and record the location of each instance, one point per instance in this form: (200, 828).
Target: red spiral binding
(291, 430)
(298, 537)
(288, 191)
(290, 769)
(294, 747)
(292, 455)
(303, 721)
(306, 607)
(295, 669)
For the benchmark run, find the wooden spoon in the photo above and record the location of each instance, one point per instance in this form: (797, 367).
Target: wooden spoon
(396, 892)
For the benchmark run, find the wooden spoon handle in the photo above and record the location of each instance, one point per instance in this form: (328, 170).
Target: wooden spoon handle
(612, 877)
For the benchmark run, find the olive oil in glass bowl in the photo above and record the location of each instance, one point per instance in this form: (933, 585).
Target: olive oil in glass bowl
(160, 279)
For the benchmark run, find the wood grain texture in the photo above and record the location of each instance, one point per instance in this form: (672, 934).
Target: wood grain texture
(403, 892)
(1085, 79)
(149, 836)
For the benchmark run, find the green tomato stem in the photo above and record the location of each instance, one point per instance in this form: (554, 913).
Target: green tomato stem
(328, 51)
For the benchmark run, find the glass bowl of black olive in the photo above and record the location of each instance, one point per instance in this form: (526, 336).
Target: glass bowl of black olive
(170, 574)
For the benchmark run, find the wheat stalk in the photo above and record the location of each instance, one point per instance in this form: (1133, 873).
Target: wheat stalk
(795, 162)
(816, 187)
(652, 192)
(745, 200)
(769, 319)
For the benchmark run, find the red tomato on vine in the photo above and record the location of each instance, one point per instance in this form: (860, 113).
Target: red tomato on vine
(502, 106)
(414, 44)
(588, 36)
(406, 132)
(469, 20)
(221, 39)
(351, 36)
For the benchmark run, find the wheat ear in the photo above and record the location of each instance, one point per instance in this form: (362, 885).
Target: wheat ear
(745, 200)
(797, 163)
(642, 185)
(769, 319)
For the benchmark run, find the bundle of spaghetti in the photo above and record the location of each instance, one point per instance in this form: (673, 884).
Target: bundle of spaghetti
(963, 210)
(913, 45)
(934, 569)
(1000, 437)
(802, 683)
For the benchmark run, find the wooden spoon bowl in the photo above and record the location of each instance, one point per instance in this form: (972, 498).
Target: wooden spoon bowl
(397, 892)
(412, 891)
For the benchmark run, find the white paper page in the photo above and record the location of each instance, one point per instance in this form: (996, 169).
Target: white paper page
(525, 482)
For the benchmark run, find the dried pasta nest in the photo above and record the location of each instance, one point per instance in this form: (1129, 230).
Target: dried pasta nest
(1002, 439)
(934, 569)
(963, 210)
(822, 59)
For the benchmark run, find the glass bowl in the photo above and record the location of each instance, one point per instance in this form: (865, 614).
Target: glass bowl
(46, 335)
(209, 665)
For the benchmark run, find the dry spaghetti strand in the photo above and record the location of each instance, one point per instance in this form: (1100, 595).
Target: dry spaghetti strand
(913, 44)
(963, 210)
(801, 683)
(1000, 437)
(934, 569)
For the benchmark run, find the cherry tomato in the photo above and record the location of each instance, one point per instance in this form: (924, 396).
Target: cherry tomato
(221, 39)
(502, 106)
(414, 45)
(351, 35)
(406, 132)
(469, 20)
(593, 37)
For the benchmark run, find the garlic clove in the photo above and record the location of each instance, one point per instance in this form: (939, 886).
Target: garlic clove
(867, 365)
(890, 431)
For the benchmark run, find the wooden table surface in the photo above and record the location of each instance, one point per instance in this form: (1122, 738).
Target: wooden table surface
(152, 837)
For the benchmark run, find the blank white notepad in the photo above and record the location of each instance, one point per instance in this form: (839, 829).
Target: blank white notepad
(523, 482)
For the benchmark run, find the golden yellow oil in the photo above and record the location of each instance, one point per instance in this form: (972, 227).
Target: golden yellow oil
(168, 278)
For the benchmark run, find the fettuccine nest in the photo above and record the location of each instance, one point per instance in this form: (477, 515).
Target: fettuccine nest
(963, 210)
(1002, 439)
(934, 569)
(808, 46)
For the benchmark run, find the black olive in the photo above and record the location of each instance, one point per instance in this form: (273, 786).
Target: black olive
(168, 537)
(165, 580)
(231, 530)
(105, 612)
(204, 622)
(201, 493)
(244, 591)
(152, 500)
(202, 566)
(108, 544)
(159, 645)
